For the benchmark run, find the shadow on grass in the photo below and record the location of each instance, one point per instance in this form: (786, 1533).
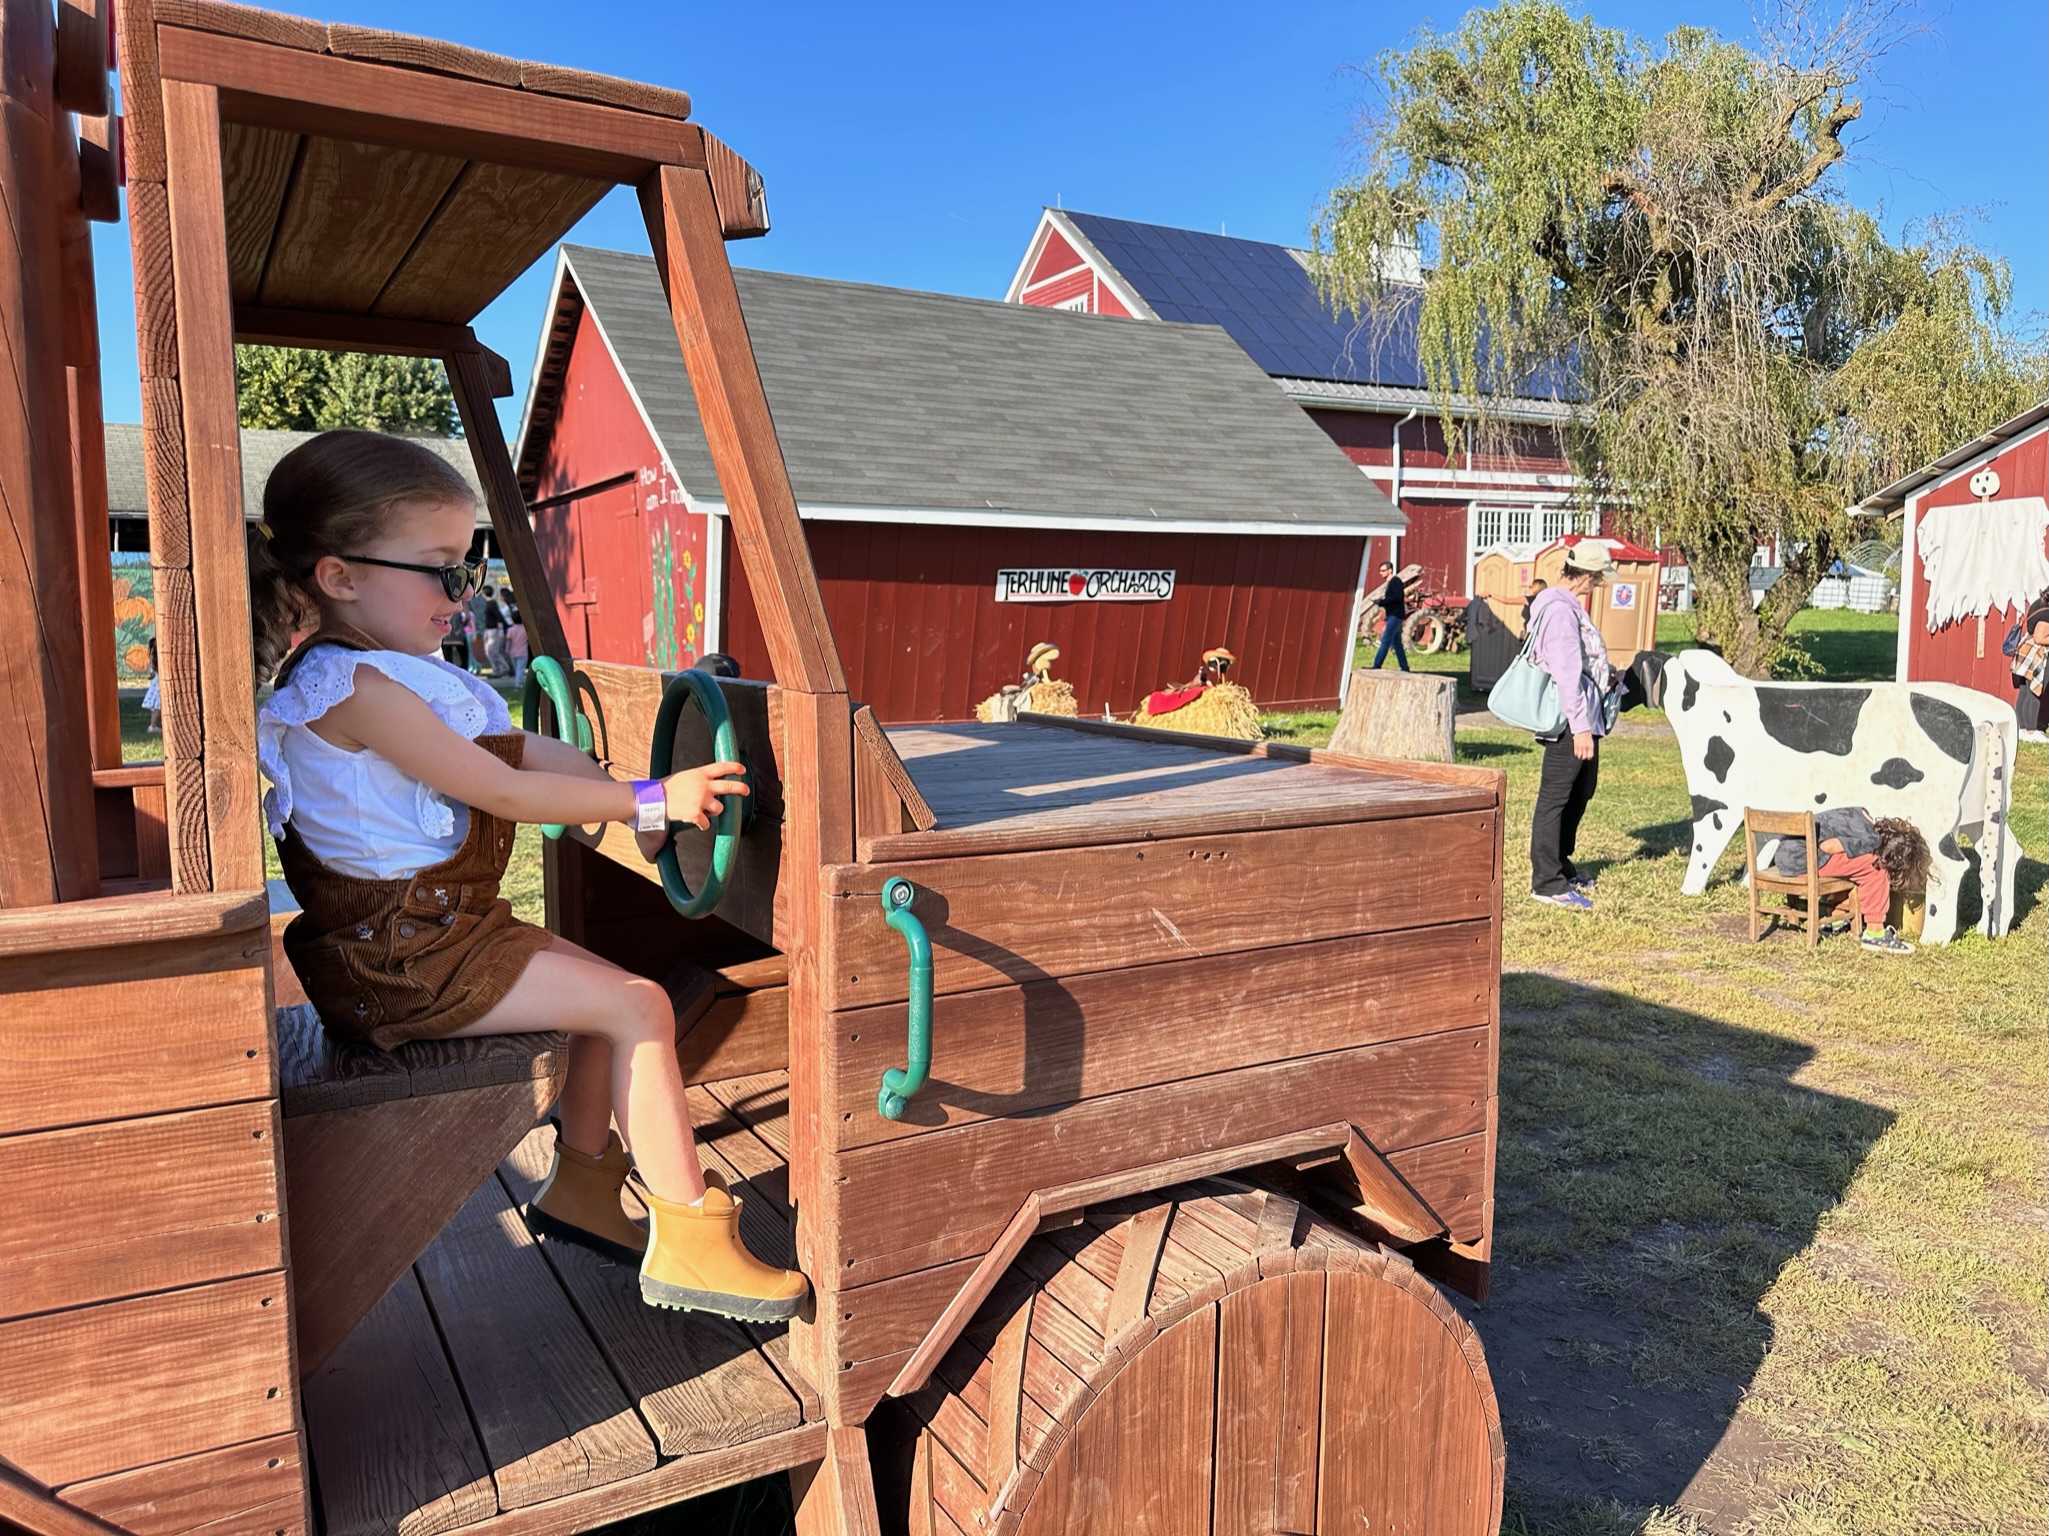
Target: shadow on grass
(1479, 751)
(1665, 837)
(1657, 1169)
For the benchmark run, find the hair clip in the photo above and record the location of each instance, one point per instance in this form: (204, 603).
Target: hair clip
(264, 529)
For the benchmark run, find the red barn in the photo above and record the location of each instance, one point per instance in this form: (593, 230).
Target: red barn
(973, 477)
(1367, 392)
(1976, 552)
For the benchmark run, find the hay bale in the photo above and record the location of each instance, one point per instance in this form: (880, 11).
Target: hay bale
(1049, 697)
(1224, 710)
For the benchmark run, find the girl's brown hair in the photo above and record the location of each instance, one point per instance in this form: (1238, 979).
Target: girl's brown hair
(329, 496)
(1902, 853)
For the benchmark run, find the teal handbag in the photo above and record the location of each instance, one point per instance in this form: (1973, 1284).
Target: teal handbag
(1525, 694)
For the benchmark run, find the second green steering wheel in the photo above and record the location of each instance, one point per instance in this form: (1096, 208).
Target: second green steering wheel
(702, 689)
(545, 676)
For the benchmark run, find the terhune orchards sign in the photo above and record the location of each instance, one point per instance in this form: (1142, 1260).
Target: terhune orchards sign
(1065, 585)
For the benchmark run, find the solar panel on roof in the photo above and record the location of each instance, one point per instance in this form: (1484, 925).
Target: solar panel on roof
(1196, 278)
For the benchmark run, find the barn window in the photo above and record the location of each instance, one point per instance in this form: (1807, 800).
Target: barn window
(1558, 522)
(1517, 523)
(1487, 532)
(1079, 304)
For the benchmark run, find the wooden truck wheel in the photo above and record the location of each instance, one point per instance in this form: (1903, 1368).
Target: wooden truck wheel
(1214, 1358)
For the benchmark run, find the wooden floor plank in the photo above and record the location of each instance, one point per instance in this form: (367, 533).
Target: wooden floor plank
(391, 1441)
(700, 1382)
(553, 1419)
(762, 1104)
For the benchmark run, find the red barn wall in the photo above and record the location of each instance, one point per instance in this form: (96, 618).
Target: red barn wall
(923, 637)
(625, 557)
(1950, 655)
(1055, 257)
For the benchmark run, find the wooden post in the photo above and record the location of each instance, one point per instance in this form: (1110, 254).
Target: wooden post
(818, 763)
(683, 226)
(163, 449)
(469, 379)
(213, 480)
(48, 838)
(89, 470)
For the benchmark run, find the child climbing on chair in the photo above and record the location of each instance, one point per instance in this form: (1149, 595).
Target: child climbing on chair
(397, 783)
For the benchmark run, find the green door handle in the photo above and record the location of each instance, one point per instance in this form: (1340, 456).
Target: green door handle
(545, 675)
(702, 689)
(898, 1086)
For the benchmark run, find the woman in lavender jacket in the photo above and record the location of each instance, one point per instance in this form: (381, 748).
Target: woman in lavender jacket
(1572, 651)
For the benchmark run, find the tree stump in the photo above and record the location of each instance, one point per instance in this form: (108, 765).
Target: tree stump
(1398, 714)
(1211, 1358)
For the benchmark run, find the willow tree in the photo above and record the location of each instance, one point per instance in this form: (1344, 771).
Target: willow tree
(1659, 231)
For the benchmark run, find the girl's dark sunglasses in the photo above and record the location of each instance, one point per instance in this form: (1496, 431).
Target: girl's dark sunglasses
(458, 581)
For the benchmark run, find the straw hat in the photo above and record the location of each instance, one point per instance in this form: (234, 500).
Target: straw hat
(1041, 656)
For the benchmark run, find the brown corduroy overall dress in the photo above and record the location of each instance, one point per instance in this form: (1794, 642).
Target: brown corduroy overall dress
(389, 961)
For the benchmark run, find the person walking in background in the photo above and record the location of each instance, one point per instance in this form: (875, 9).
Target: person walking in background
(455, 649)
(492, 624)
(516, 646)
(1394, 608)
(1537, 585)
(1571, 650)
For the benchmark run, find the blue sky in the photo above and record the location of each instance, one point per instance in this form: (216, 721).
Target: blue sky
(914, 144)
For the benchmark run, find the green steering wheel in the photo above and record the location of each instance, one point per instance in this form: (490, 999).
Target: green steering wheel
(702, 689)
(545, 675)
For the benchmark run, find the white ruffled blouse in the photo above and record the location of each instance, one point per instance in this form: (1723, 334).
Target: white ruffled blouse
(356, 811)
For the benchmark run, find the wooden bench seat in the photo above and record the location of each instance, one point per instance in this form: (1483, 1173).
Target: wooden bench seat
(382, 1149)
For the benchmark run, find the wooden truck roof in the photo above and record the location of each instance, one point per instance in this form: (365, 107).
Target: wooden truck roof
(369, 173)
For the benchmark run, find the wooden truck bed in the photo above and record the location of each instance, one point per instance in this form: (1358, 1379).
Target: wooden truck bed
(1050, 784)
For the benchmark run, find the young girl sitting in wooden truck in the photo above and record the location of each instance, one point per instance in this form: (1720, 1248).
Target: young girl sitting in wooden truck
(397, 781)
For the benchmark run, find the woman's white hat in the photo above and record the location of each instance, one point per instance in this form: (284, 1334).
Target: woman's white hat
(1589, 557)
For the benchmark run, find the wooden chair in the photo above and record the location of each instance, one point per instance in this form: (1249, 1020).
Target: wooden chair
(1813, 886)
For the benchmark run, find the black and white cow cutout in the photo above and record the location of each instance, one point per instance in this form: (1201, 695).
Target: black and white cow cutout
(1934, 754)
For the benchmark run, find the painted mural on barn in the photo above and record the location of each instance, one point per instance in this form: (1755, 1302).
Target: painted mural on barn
(674, 622)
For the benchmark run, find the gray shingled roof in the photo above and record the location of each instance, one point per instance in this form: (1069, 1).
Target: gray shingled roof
(888, 398)
(127, 495)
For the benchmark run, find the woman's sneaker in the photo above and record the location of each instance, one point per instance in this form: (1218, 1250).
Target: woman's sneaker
(1570, 899)
(1886, 941)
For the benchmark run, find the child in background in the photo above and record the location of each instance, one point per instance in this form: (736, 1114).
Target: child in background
(515, 647)
(2030, 670)
(153, 696)
(398, 781)
(1870, 855)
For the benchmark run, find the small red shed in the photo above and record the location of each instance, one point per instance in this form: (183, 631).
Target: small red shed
(1976, 552)
(973, 477)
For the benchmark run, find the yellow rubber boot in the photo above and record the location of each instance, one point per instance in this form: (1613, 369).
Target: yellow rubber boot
(696, 1262)
(579, 1203)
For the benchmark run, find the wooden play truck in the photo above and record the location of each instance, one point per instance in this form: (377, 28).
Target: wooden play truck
(1126, 1096)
